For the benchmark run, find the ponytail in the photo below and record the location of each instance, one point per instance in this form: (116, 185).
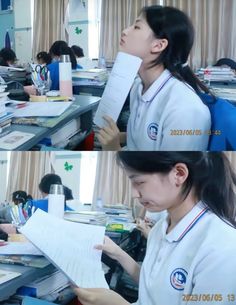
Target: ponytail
(175, 26)
(217, 189)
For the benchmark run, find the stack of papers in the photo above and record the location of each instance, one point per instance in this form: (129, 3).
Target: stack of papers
(19, 248)
(69, 246)
(41, 109)
(92, 77)
(216, 74)
(89, 217)
(226, 93)
(45, 285)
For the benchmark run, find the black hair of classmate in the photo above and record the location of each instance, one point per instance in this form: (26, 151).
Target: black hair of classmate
(45, 57)
(79, 52)
(3, 235)
(50, 179)
(175, 26)
(59, 48)
(7, 56)
(21, 197)
(210, 175)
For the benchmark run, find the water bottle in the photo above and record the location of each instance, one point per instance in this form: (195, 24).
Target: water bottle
(99, 204)
(102, 63)
(65, 76)
(56, 200)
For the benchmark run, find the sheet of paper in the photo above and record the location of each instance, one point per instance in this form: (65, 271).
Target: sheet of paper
(43, 109)
(19, 248)
(6, 275)
(14, 139)
(117, 89)
(69, 246)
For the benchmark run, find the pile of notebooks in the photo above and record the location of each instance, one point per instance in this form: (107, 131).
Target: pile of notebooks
(215, 74)
(87, 217)
(92, 77)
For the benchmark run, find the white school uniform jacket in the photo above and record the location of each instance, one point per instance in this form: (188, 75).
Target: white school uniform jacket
(168, 116)
(193, 264)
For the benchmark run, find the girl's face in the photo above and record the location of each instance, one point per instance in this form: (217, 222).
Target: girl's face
(137, 39)
(157, 192)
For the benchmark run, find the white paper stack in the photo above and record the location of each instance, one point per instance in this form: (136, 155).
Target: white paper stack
(217, 74)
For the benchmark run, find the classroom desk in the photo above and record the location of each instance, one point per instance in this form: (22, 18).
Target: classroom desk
(87, 104)
(28, 275)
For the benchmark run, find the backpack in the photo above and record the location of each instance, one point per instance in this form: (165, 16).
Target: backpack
(223, 130)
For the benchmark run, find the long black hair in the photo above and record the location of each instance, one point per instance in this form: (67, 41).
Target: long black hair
(175, 26)
(60, 47)
(210, 174)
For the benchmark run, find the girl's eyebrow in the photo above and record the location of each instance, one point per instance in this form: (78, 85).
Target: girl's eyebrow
(133, 176)
(138, 20)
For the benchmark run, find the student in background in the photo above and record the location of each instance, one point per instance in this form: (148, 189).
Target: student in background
(44, 187)
(191, 253)
(7, 57)
(43, 58)
(23, 201)
(166, 112)
(59, 48)
(79, 53)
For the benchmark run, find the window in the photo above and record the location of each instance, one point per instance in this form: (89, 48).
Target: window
(94, 17)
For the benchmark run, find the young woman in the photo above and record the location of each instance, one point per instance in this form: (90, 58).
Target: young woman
(43, 58)
(166, 112)
(59, 48)
(190, 255)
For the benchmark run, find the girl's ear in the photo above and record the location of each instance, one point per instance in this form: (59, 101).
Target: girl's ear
(181, 173)
(159, 45)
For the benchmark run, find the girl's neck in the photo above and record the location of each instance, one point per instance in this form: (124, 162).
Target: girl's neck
(176, 213)
(150, 75)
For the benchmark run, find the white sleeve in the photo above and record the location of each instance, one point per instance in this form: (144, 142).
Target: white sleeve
(214, 281)
(183, 130)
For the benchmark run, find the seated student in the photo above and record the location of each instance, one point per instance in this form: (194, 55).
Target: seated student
(59, 48)
(166, 112)
(23, 200)
(7, 57)
(44, 187)
(190, 253)
(79, 53)
(43, 58)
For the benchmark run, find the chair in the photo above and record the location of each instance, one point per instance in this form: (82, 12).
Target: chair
(223, 116)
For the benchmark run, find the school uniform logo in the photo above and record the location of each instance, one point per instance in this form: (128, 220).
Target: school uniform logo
(178, 278)
(153, 131)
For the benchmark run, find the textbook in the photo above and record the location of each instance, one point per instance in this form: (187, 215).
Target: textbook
(6, 275)
(69, 246)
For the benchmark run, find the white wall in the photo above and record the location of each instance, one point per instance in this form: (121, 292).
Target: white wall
(81, 178)
(79, 18)
(23, 30)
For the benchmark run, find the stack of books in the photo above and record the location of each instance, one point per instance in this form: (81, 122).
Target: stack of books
(88, 217)
(12, 73)
(92, 77)
(45, 286)
(216, 74)
(5, 116)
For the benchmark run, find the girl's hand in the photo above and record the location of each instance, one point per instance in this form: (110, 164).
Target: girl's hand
(109, 136)
(99, 297)
(110, 248)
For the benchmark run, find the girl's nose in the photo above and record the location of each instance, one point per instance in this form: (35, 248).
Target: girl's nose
(135, 193)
